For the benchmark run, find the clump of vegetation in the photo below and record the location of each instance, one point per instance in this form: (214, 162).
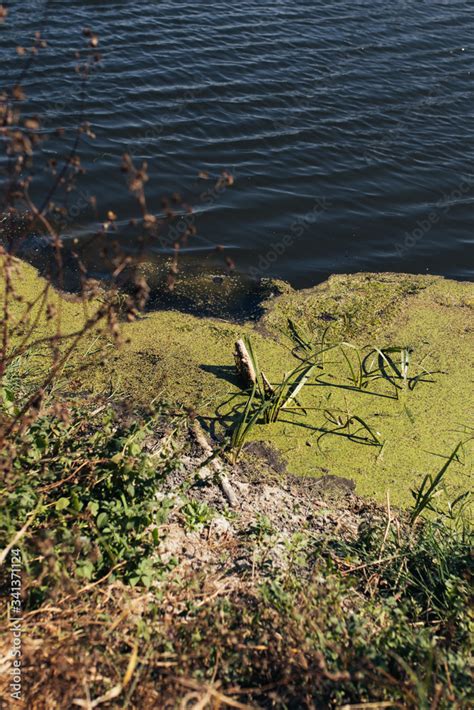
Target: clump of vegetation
(83, 486)
(335, 619)
(266, 402)
(346, 628)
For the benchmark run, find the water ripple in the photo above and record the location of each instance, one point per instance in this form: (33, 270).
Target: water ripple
(361, 105)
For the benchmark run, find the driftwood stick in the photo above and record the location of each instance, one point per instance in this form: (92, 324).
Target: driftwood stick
(269, 389)
(243, 363)
(215, 465)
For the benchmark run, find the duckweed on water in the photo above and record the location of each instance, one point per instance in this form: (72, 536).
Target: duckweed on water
(190, 360)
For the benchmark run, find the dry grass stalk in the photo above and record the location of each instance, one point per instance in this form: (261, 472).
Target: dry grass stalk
(215, 465)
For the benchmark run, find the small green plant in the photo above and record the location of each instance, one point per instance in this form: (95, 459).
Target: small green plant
(358, 376)
(92, 485)
(394, 364)
(306, 347)
(349, 426)
(196, 515)
(261, 529)
(245, 424)
(266, 401)
(431, 487)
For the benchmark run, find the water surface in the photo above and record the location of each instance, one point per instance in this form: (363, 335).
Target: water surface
(347, 124)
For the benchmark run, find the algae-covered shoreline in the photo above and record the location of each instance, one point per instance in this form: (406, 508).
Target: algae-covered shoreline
(161, 569)
(188, 359)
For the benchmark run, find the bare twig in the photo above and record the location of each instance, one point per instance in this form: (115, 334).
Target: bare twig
(215, 464)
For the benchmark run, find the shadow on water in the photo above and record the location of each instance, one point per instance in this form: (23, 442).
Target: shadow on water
(222, 372)
(204, 291)
(203, 287)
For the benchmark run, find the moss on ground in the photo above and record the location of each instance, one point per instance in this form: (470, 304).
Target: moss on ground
(190, 359)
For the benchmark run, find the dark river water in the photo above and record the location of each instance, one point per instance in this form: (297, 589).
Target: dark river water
(348, 125)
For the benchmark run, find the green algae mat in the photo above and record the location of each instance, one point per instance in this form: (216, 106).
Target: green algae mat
(402, 429)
